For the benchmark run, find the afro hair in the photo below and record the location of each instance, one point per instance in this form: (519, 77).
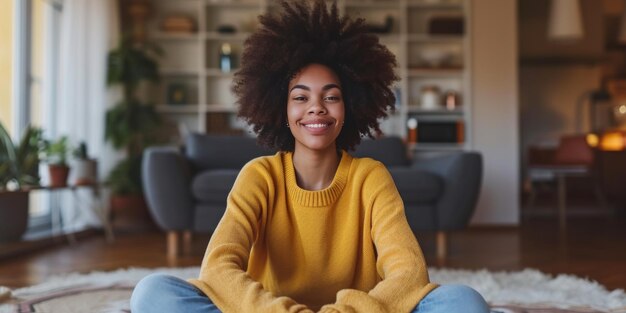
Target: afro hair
(300, 35)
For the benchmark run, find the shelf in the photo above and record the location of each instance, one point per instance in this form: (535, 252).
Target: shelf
(232, 4)
(192, 59)
(434, 38)
(175, 36)
(181, 1)
(435, 72)
(379, 4)
(219, 108)
(178, 108)
(214, 72)
(179, 72)
(436, 5)
(238, 36)
(390, 38)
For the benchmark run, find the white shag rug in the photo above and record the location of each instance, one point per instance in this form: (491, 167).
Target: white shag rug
(529, 289)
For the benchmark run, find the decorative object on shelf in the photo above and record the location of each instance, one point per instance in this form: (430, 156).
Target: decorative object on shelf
(178, 23)
(430, 97)
(411, 124)
(441, 131)
(226, 29)
(226, 58)
(85, 168)
(397, 92)
(434, 57)
(384, 28)
(138, 10)
(177, 94)
(446, 25)
(55, 154)
(565, 21)
(451, 100)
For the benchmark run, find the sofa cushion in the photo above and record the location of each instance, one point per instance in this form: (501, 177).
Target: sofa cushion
(416, 186)
(213, 185)
(391, 151)
(221, 152)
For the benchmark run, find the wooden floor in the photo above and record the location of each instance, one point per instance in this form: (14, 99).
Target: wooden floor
(592, 247)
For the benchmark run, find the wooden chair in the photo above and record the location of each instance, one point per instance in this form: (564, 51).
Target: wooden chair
(572, 158)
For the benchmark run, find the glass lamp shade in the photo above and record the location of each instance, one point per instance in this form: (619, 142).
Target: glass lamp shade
(565, 20)
(613, 140)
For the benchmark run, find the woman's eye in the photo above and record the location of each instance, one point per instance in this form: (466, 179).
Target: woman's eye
(299, 98)
(332, 98)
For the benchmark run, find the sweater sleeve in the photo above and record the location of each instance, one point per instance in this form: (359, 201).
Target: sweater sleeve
(400, 262)
(223, 277)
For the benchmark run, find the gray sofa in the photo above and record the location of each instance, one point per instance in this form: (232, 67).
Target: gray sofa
(186, 190)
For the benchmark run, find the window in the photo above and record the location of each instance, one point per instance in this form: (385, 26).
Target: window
(6, 52)
(36, 26)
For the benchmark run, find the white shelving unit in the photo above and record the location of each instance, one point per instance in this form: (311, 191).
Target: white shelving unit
(192, 60)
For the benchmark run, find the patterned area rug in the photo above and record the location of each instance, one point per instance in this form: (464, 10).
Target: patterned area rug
(527, 291)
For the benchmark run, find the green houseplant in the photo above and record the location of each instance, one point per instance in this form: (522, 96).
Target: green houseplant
(55, 154)
(131, 125)
(19, 170)
(19, 164)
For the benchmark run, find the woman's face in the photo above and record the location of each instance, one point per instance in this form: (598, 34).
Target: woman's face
(315, 108)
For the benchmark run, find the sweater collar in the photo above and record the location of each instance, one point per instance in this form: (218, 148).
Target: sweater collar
(318, 198)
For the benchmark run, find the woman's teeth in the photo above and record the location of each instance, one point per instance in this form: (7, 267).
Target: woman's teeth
(316, 125)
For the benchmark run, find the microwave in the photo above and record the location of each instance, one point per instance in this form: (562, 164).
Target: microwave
(436, 130)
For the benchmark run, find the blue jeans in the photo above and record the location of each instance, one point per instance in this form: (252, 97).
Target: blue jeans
(164, 293)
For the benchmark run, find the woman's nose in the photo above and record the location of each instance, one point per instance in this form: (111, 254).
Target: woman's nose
(317, 107)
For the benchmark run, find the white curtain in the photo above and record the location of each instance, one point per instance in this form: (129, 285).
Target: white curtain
(88, 30)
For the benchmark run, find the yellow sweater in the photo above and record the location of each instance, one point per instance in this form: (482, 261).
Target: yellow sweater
(347, 248)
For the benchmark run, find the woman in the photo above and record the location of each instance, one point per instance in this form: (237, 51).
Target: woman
(311, 229)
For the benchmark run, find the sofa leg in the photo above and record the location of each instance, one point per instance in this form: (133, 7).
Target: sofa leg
(173, 248)
(187, 241)
(442, 246)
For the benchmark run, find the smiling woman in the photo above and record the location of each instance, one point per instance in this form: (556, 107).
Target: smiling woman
(311, 228)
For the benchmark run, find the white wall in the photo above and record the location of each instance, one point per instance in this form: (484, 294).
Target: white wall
(495, 108)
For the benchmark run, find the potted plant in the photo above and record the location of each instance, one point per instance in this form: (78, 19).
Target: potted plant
(55, 154)
(131, 125)
(84, 167)
(19, 170)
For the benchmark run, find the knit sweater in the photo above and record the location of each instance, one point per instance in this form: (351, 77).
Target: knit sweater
(346, 248)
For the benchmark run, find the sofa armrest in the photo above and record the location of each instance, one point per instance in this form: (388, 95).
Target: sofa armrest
(462, 176)
(166, 178)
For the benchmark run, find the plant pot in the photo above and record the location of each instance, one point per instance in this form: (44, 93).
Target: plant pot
(58, 175)
(85, 171)
(130, 212)
(13, 215)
